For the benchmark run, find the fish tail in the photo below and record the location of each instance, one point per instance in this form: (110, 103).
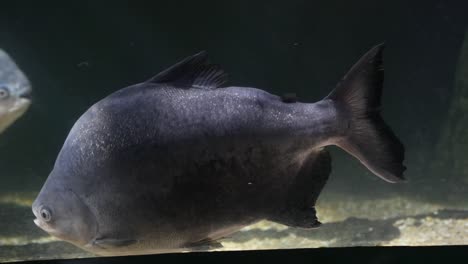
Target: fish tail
(367, 137)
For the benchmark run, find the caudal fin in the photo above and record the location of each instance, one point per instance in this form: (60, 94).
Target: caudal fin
(368, 138)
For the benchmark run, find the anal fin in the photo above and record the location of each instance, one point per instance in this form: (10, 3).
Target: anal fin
(299, 207)
(298, 217)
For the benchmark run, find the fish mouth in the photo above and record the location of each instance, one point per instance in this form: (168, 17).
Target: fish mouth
(37, 222)
(46, 228)
(40, 223)
(20, 106)
(27, 94)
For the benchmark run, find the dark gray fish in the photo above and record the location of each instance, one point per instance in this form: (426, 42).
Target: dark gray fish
(177, 162)
(14, 91)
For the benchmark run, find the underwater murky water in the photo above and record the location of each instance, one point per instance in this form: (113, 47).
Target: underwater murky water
(77, 54)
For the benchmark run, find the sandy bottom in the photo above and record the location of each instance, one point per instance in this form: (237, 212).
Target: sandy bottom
(346, 222)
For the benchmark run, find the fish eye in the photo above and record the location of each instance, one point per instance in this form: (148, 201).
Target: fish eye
(4, 92)
(45, 213)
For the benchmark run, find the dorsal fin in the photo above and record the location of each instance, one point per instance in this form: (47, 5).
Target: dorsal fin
(194, 71)
(289, 98)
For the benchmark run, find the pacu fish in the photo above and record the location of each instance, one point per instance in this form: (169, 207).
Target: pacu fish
(180, 161)
(15, 90)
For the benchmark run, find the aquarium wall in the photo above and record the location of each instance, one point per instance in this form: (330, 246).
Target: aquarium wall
(75, 54)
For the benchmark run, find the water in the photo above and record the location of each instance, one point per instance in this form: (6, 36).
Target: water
(75, 54)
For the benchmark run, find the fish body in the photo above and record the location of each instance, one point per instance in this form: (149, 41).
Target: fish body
(180, 161)
(15, 89)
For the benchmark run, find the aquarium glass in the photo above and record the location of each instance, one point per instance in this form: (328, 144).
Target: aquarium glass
(74, 54)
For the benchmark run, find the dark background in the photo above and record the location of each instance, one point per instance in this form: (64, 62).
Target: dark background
(77, 52)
